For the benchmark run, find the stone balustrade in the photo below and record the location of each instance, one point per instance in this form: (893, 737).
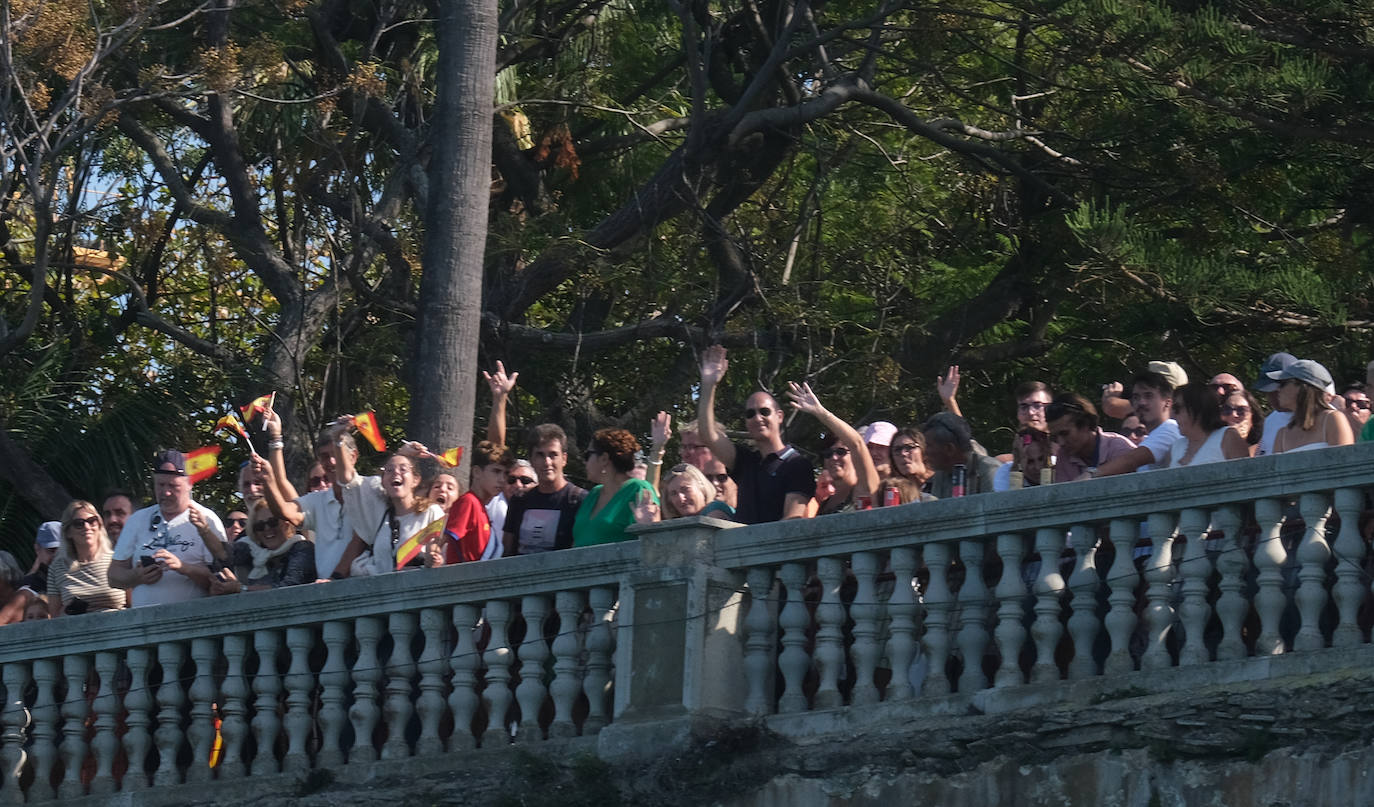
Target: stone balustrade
(1149, 575)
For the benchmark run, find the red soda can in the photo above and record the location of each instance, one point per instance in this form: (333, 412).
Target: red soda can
(890, 497)
(865, 502)
(957, 481)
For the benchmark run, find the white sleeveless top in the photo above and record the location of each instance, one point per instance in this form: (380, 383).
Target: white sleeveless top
(1209, 452)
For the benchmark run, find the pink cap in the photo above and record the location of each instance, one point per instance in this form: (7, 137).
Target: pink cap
(879, 432)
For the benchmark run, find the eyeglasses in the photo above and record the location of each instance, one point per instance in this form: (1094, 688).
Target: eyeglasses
(519, 480)
(904, 448)
(259, 526)
(1030, 406)
(838, 452)
(1356, 404)
(89, 521)
(242, 522)
(765, 411)
(1227, 409)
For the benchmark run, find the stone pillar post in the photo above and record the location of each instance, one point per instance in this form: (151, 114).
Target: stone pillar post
(679, 661)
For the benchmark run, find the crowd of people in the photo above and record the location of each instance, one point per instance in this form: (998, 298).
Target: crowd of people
(341, 524)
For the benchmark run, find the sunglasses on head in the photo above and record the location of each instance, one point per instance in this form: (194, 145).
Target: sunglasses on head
(766, 411)
(259, 526)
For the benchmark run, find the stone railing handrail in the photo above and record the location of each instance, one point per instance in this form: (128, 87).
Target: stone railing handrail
(1090, 501)
(305, 605)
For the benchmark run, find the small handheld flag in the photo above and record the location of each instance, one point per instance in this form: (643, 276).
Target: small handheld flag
(415, 544)
(450, 458)
(367, 426)
(202, 463)
(259, 404)
(230, 422)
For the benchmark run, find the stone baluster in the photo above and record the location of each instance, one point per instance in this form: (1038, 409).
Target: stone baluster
(75, 668)
(400, 671)
(1313, 553)
(973, 617)
(267, 689)
(1083, 582)
(47, 716)
(1011, 609)
(233, 729)
(902, 611)
(367, 672)
(829, 634)
(201, 733)
(300, 690)
(105, 745)
(567, 646)
(1231, 606)
(1046, 630)
(1194, 611)
(793, 661)
(1349, 549)
(463, 701)
(334, 683)
(138, 704)
(171, 699)
(760, 645)
(1121, 619)
(1159, 571)
(14, 725)
(498, 658)
(937, 601)
(530, 693)
(866, 612)
(433, 668)
(1269, 559)
(600, 643)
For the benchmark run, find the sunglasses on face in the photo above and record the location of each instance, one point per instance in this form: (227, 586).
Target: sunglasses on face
(259, 526)
(519, 480)
(1138, 431)
(1356, 404)
(242, 522)
(319, 480)
(1235, 410)
(89, 521)
(838, 452)
(717, 479)
(765, 411)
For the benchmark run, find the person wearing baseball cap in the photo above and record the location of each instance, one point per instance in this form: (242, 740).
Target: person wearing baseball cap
(1152, 399)
(877, 438)
(1278, 417)
(1305, 389)
(165, 551)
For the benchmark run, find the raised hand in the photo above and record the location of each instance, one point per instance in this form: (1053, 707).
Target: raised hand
(713, 365)
(661, 429)
(500, 383)
(948, 384)
(411, 448)
(1113, 390)
(645, 508)
(261, 467)
(803, 399)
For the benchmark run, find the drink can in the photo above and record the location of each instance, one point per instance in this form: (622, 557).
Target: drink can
(890, 497)
(957, 481)
(865, 502)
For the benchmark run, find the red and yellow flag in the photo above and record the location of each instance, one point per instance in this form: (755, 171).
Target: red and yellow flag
(259, 404)
(450, 458)
(366, 424)
(202, 463)
(230, 422)
(411, 547)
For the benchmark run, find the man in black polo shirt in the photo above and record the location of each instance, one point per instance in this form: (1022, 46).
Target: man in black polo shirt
(775, 480)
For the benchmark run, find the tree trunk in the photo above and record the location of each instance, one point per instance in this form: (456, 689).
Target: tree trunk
(449, 324)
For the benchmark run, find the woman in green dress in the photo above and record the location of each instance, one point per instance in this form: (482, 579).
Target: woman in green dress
(609, 507)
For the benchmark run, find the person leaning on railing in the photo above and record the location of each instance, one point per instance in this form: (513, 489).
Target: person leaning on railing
(609, 506)
(1203, 436)
(78, 577)
(1304, 390)
(272, 556)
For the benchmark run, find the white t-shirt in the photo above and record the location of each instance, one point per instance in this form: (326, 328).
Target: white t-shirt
(496, 514)
(325, 517)
(1272, 423)
(1160, 439)
(365, 503)
(147, 531)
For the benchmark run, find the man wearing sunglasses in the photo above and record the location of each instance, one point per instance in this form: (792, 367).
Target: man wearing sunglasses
(165, 551)
(1356, 405)
(775, 480)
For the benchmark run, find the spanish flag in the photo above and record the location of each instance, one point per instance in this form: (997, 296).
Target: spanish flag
(451, 458)
(230, 422)
(202, 463)
(260, 404)
(411, 547)
(366, 424)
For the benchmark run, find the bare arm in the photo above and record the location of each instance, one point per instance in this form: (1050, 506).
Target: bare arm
(713, 367)
(1126, 463)
(804, 400)
(196, 515)
(285, 490)
(501, 387)
(1233, 446)
(123, 574)
(795, 506)
(276, 501)
(343, 468)
(660, 430)
(1114, 402)
(948, 388)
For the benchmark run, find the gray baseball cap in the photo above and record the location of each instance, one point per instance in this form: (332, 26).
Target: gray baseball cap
(1271, 365)
(1308, 372)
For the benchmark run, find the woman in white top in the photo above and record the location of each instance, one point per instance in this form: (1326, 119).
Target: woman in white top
(78, 581)
(386, 511)
(1203, 436)
(1305, 388)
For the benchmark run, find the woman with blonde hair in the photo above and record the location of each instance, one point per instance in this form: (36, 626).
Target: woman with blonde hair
(78, 581)
(272, 556)
(685, 491)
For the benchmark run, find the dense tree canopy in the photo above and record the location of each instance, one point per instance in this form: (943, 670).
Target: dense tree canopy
(205, 201)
